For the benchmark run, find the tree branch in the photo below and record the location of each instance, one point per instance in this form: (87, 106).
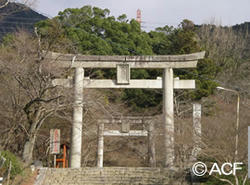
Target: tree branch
(224, 180)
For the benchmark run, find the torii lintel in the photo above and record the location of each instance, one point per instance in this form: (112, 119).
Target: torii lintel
(153, 62)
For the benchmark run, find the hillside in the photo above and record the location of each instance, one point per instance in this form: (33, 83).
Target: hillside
(17, 16)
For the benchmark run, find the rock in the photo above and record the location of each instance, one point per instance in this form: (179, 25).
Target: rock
(38, 164)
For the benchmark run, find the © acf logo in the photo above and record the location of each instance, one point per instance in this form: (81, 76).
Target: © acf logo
(199, 169)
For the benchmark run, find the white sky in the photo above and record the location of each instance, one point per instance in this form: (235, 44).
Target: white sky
(162, 12)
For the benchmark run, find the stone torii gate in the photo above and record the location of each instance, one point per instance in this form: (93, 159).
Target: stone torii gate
(148, 131)
(123, 65)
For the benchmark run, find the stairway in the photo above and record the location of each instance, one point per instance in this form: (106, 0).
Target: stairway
(108, 176)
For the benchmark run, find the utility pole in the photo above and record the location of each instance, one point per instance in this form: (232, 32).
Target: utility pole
(237, 119)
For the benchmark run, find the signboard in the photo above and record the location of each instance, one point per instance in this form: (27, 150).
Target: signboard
(125, 126)
(123, 73)
(55, 141)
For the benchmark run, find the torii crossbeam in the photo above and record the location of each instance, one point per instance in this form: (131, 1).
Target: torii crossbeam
(123, 65)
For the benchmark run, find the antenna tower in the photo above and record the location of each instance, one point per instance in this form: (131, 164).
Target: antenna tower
(138, 16)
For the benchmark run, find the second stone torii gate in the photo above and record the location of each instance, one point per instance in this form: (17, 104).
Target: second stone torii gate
(148, 131)
(123, 65)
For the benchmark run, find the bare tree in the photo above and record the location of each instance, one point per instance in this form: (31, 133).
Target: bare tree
(28, 97)
(226, 47)
(218, 139)
(29, 90)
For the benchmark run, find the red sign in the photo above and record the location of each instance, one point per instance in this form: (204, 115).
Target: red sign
(55, 141)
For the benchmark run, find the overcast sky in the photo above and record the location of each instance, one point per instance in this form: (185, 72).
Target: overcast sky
(161, 12)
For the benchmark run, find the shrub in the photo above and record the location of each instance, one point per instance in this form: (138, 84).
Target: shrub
(16, 165)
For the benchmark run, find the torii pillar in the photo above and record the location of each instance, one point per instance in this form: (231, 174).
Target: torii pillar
(76, 136)
(168, 116)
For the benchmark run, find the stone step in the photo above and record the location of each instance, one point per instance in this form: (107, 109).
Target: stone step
(106, 176)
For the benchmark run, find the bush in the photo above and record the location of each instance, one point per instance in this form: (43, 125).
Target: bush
(16, 165)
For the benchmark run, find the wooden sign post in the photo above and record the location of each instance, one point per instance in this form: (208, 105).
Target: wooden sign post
(55, 143)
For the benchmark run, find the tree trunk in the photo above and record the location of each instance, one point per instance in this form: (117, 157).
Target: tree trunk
(28, 149)
(33, 130)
